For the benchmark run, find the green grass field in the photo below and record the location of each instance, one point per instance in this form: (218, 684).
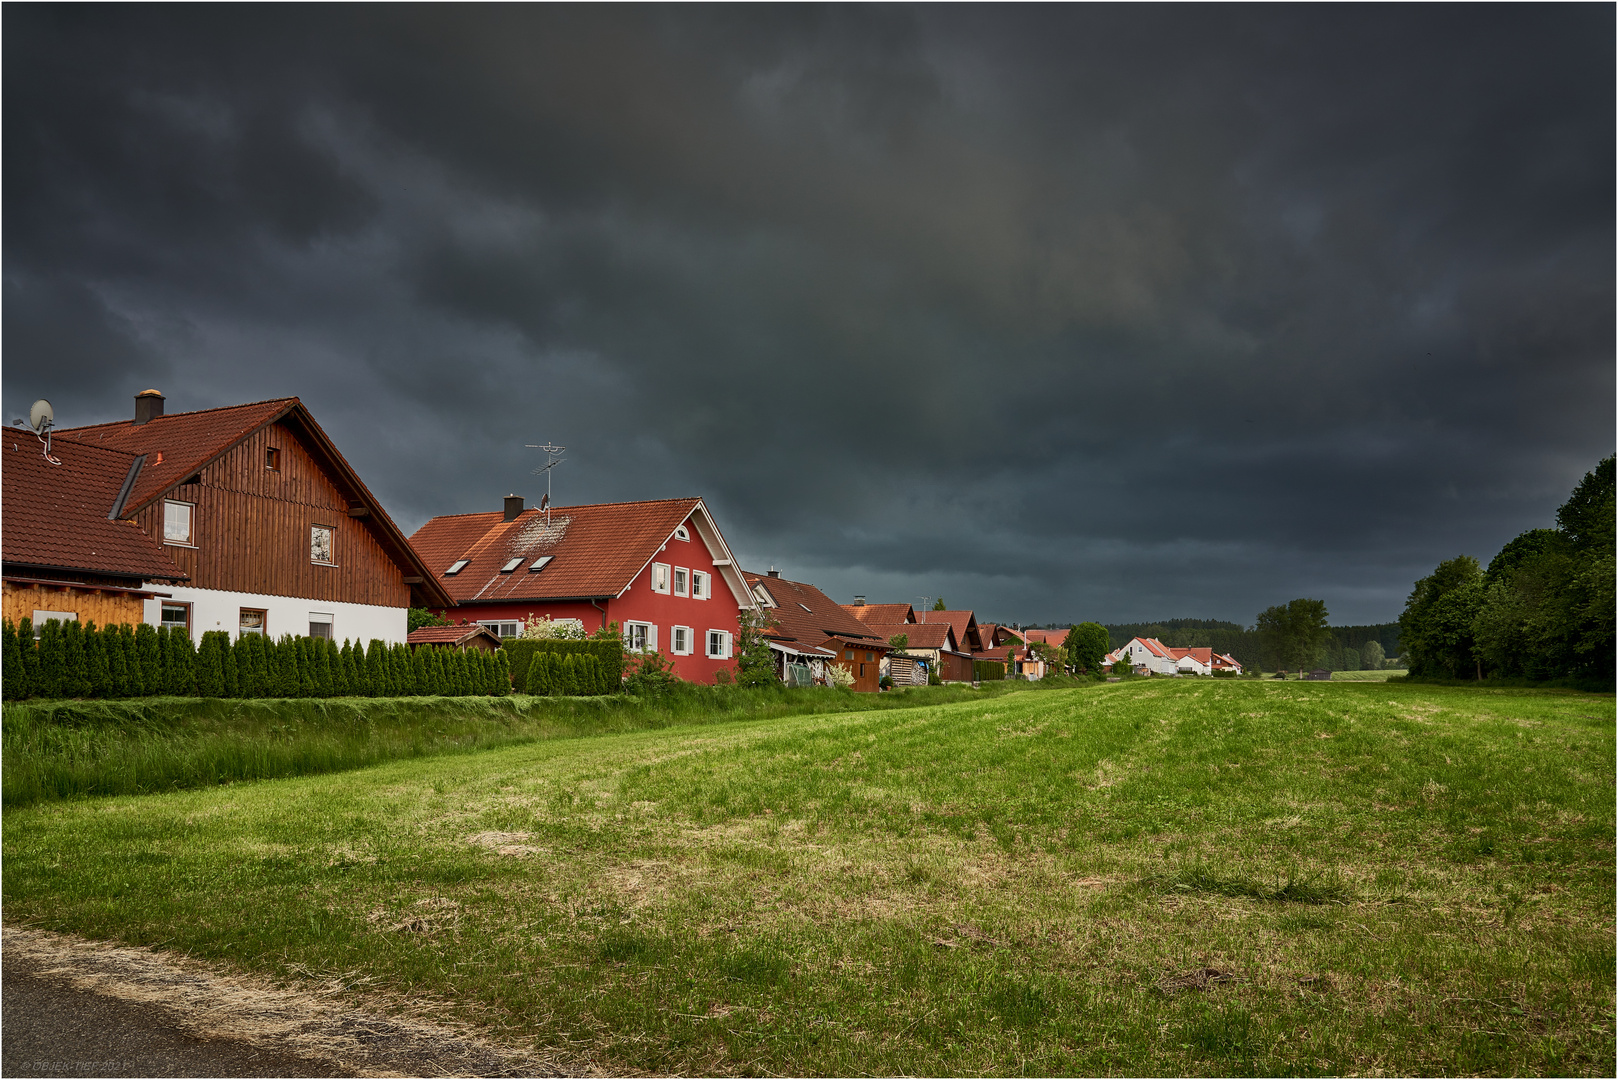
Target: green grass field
(1151, 877)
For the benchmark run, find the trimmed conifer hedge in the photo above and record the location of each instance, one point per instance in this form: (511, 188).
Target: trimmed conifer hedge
(605, 676)
(73, 661)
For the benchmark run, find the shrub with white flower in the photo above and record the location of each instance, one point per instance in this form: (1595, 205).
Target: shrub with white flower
(839, 676)
(544, 628)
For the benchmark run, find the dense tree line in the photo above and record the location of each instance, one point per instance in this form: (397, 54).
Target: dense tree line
(73, 661)
(1542, 609)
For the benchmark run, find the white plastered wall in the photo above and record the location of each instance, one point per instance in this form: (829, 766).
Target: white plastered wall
(215, 609)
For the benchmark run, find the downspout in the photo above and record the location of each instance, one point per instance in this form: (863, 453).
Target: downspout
(601, 609)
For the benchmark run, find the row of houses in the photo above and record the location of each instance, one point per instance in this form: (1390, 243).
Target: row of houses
(249, 519)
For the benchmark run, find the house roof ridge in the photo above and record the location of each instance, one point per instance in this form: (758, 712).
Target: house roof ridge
(294, 400)
(574, 506)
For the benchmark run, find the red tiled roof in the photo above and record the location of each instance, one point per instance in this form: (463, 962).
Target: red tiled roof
(449, 635)
(824, 621)
(1001, 653)
(186, 441)
(881, 613)
(938, 635)
(965, 625)
(1204, 656)
(178, 445)
(1156, 647)
(1048, 637)
(56, 515)
(597, 550)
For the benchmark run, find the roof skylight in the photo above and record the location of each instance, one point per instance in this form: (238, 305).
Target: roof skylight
(459, 565)
(512, 565)
(539, 564)
(806, 607)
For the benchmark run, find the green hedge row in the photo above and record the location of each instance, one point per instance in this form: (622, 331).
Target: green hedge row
(566, 674)
(988, 670)
(609, 651)
(73, 661)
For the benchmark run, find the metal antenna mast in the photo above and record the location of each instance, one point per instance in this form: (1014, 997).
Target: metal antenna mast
(925, 601)
(553, 458)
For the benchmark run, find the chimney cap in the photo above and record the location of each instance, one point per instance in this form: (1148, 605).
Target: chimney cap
(774, 572)
(859, 600)
(150, 393)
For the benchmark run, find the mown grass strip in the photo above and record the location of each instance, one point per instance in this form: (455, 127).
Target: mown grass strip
(68, 749)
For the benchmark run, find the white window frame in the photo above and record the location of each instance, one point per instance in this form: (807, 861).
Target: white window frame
(660, 572)
(41, 617)
(263, 625)
(320, 618)
(682, 533)
(190, 523)
(701, 587)
(498, 627)
(724, 642)
(682, 581)
(640, 636)
(331, 543)
(685, 647)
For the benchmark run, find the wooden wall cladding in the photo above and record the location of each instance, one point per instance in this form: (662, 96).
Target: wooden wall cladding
(107, 609)
(251, 529)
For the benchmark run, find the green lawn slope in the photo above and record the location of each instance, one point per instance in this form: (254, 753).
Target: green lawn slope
(1153, 877)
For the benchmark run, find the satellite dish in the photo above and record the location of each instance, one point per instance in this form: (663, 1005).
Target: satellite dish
(41, 416)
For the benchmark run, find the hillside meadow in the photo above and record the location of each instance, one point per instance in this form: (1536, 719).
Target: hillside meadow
(1150, 877)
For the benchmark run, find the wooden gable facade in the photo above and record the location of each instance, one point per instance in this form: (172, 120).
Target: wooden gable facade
(252, 526)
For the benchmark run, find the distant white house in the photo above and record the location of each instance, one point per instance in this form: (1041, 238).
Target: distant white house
(1152, 655)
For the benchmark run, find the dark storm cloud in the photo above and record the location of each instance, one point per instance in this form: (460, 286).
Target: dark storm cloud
(1072, 312)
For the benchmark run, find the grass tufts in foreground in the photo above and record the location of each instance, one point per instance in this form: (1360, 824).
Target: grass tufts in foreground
(1152, 877)
(66, 749)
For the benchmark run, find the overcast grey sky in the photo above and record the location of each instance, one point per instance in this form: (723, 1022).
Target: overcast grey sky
(1063, 313)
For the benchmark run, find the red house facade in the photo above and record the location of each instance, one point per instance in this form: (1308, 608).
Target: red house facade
(661, 570)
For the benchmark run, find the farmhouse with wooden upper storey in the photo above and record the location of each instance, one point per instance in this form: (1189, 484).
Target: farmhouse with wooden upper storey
(68, 552)
(659, 569)
(809, 630)
(265, 523)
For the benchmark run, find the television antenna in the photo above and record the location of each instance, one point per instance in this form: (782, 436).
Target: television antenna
(553, 458)
(41, 419)
(926, 606)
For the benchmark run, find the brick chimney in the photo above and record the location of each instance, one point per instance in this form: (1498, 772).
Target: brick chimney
(513, 507)
(859, 601)
(148, 406)
(774, 572)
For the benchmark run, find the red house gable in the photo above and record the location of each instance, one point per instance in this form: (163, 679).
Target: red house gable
(660, 569)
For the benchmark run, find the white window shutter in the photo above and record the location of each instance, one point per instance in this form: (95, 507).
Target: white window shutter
(651, 637)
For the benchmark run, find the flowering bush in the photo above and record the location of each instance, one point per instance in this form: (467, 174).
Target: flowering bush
(544, 628)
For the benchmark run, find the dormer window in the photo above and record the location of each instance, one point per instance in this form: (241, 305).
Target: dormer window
(511, 565)
(682, 533)
(456, 567)
(540, 563)
(763, 596)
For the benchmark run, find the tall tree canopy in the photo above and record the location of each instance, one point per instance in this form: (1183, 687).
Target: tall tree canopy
(1295, 633)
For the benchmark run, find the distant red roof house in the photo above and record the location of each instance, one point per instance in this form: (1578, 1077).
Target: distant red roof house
(274, 529)
(964, 623)
(935, 642)
(1153, 655)
(659, 569)
(882, 613)
(1046, 637)
(66, 549)
(811, 630)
